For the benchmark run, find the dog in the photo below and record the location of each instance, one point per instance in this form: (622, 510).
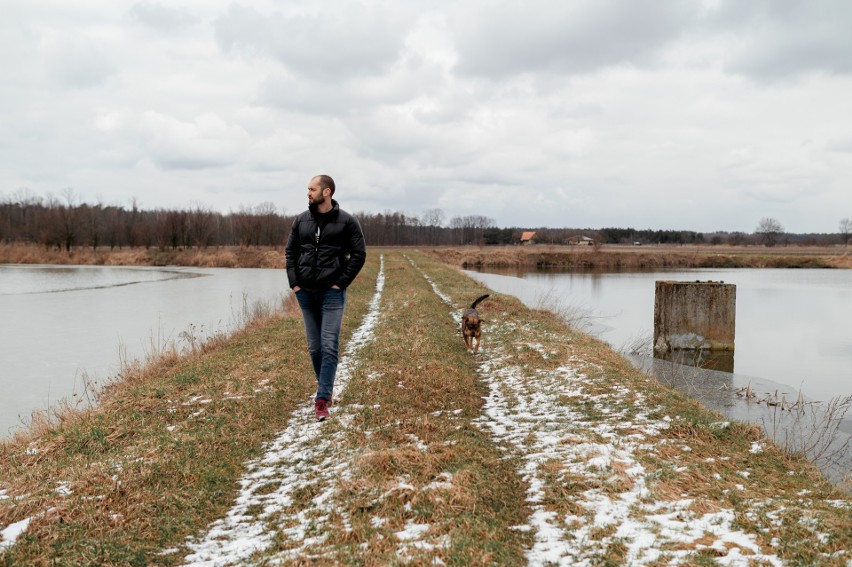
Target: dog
(471, 326)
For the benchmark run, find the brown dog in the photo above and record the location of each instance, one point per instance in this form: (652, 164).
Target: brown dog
(471, 326)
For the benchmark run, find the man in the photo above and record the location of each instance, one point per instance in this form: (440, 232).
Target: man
(325, 251)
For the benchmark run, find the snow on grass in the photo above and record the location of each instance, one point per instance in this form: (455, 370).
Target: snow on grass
(10, 534)
(525, 413)
(444, 297)
(304, 459)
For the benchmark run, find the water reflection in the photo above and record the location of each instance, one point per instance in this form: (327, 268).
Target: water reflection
(720, 360)
(820, 430)
(792, 325)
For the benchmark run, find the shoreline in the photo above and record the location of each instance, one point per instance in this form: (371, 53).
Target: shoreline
(523, 446)
(587, 258)
(618, 258)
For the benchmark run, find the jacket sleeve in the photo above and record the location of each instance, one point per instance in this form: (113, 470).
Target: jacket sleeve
(357, 253)
(291, 252)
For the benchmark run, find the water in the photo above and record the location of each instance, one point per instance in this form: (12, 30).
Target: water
(793, 337)
(793, 327)
(61, 323)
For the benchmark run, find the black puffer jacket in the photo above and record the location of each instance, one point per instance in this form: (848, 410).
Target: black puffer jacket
(333, 259)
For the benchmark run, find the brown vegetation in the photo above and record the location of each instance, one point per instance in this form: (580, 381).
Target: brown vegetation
(614, 258)
(219, 257)
(605, 258)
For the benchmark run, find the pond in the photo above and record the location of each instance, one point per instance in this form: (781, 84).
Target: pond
(64, 325)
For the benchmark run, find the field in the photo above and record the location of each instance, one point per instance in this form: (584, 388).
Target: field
(622, 257)
(546, 446)
(608, 257)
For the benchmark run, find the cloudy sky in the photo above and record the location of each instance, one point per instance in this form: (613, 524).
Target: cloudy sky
(666, 114)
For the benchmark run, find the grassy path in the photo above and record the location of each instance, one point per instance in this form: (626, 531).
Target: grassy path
(546, 448)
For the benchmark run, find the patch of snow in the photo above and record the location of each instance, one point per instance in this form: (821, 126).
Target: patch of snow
(412, 531)
(10, 534)
(304, 457)
(378, 522)
(437, 485)
(756, 448)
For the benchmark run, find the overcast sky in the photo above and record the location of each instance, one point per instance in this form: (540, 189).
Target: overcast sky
(666, 114)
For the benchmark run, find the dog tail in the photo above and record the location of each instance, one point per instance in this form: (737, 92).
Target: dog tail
(475, 303)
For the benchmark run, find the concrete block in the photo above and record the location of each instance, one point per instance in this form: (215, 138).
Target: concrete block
(694, 316)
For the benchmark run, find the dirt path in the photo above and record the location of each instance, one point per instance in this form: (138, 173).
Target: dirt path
(303, 459)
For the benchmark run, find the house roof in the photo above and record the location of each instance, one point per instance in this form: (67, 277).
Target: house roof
(528, 235)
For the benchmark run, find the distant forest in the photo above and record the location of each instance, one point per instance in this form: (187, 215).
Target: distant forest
(64, 223)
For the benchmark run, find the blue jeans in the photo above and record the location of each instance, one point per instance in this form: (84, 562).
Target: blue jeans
(323, 313)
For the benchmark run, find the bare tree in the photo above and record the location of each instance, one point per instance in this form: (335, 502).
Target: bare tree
(770, 230)
(846, 230)
(432, 220)
(201, 225)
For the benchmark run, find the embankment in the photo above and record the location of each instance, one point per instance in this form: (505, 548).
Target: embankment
(546, 447)
(615, 258)
(604, 258)
(221, 257)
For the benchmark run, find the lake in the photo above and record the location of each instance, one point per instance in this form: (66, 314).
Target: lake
(61, 323)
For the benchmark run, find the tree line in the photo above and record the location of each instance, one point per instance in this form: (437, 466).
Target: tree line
(63, 222)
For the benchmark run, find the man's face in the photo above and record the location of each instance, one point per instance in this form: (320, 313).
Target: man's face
(316, 194)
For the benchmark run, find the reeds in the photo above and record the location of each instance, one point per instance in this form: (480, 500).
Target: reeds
(214, 257)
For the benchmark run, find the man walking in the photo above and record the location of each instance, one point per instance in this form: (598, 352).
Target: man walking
(325, 251)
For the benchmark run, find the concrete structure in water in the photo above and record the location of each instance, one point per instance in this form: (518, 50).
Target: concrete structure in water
(694, 316)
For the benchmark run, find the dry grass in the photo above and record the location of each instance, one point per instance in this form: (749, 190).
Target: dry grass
(612, 257)
(220, 257)
(608, 257)
(161, 455)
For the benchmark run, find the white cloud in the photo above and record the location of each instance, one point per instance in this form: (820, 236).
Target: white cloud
(206, 142)
(784, 39)
(328, 43)
(160, 17)
(682, 114)
(74, 60)
(564, 37)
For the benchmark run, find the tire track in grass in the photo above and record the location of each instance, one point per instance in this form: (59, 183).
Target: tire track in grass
(286, 495)
(525, 413)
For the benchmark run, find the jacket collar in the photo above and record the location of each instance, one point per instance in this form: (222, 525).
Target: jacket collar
(334, 208)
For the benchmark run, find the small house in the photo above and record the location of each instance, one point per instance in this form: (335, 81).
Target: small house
(580, 240)
(528, 237)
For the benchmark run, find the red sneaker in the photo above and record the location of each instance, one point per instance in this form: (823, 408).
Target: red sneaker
(321, 409)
